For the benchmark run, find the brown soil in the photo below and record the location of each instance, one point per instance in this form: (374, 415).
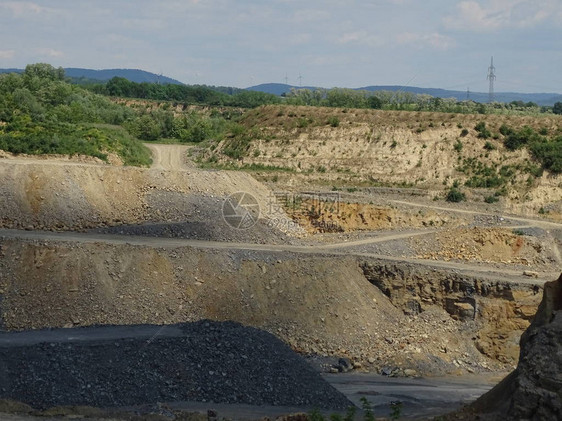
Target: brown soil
(490, 245)
(318, 304)
(373, 147)
(318, 216)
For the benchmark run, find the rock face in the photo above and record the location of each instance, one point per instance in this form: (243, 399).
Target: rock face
(534, 389)
(497, 311)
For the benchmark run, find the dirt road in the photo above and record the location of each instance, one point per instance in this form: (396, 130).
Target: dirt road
(169, 157)
(341, 249)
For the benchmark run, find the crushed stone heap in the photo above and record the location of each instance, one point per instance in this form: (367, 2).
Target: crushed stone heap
(132, 365)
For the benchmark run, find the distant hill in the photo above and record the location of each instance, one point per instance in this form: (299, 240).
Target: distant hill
(133, 75)
(538, 98)
(277, 88)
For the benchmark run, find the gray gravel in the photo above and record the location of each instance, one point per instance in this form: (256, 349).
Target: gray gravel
(207, 362)
(196, 230)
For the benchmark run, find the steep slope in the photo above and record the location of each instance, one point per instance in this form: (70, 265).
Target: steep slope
(335, 147)
(534, 389)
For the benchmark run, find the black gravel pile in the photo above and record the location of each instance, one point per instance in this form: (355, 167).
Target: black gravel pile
(207, 362)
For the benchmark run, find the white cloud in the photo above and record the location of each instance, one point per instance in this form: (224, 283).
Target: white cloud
(22, 8)
(299, 39)
(360, 37)
(50, 52)
(433, 40)
(496, 14)
(7, 54)
(310, 15)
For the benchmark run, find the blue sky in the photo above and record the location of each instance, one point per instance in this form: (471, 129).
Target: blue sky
(434, 43)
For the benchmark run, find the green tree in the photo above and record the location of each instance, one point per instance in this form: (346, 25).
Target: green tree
(557, 108)
(374, 102)
(44, 71)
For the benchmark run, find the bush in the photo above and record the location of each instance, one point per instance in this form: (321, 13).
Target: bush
(484, 181)
(489, 146)
(458, 146)
(483, 132)
(334, 121)
(455, 195)
(505, 130)
(520, 138)
(549, 154)
(491, 199)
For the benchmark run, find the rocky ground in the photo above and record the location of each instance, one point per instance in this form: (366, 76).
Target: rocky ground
(404, 286)
(321, 304)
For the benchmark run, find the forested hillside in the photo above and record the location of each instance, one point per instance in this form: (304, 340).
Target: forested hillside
(42, 114)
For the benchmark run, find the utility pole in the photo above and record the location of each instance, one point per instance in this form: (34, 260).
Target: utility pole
(300, 80)
(491, 78)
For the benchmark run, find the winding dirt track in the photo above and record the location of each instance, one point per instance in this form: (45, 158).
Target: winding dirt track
(339, 249)
(169, 157)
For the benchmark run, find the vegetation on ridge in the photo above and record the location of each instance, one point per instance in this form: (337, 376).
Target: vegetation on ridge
(40, 113)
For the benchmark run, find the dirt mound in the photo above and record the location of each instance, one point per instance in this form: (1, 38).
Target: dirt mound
(204, 361)
(533, 390)
(318, 216)
(490, 245)
(70, 196)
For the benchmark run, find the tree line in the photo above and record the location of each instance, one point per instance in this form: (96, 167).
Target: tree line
(187, 94)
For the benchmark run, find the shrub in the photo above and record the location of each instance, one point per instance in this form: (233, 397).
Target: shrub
(458, 146)
(334, 121)
(455, 195)
(491, 199)
(489, 146)
(464, 132)
(522, 137)
(484, 181)
(549, 154)
(505, 130)
(482, 130)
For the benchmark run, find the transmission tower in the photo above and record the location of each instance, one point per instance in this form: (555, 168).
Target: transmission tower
(491, 78)
(300, 80)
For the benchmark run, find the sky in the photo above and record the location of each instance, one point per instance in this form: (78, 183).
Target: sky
(346, 43)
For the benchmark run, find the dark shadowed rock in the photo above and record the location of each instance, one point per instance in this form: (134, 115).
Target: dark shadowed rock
(534, 390)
